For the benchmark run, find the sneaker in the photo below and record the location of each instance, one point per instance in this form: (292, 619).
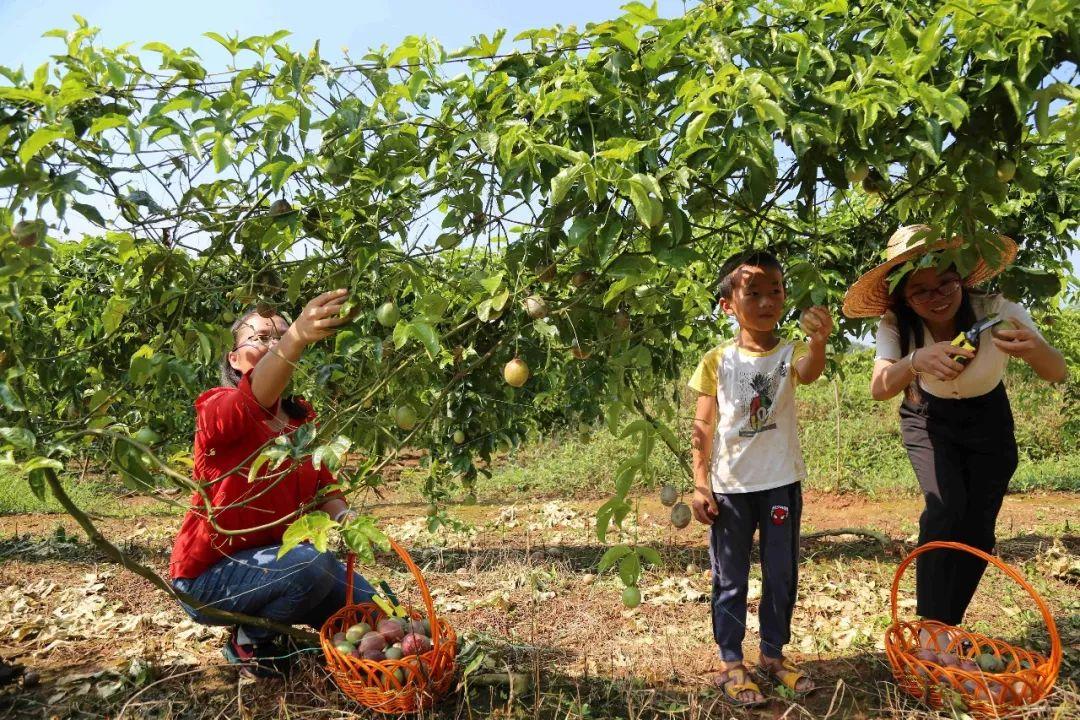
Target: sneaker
(260, 660)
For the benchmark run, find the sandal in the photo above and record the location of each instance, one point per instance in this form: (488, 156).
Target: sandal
(254, 661)
(787, 675)
(733, 682)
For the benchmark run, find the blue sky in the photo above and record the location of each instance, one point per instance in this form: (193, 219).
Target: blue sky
(357, 25)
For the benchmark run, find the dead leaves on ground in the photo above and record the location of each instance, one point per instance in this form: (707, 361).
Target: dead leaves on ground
(43, 618)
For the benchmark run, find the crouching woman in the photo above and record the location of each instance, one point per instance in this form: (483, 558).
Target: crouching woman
(226, 553)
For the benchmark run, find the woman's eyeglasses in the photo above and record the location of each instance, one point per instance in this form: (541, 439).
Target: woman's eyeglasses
(944, 290)
(260, 340)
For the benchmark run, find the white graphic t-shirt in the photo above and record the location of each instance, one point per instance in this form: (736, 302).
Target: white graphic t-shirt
(756, 442)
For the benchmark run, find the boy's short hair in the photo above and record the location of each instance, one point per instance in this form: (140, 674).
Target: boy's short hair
(753, 258)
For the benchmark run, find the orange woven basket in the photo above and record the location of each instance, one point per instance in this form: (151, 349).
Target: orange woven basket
(1025, 678)
(373, 683)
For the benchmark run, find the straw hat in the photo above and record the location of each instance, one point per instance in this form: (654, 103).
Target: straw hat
(869, 295)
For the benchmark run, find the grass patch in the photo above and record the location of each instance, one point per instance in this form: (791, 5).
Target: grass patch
(864, 454)
(93, 495)
(566, 464)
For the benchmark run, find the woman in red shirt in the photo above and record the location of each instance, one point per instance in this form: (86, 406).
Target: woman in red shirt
(238, 570)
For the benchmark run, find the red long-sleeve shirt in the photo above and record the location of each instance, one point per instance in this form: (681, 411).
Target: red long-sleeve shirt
(230, 427)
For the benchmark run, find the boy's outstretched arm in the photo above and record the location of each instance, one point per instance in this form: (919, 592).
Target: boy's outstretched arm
(817, 323)
(704, 504)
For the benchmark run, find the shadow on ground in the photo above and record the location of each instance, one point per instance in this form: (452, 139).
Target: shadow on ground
(857, 686)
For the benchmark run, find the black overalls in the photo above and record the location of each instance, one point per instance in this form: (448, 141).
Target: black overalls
(964, 454)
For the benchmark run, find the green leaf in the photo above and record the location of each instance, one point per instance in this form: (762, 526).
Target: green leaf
(38, 483)
(489, 143)
(229, 45)
(625, 478)
(768, 109)
(159, 47)
(611, 556)
(107, 122)
(314, 528)
(630, 569)
(543, 327)
(223, 152)
(667, 434)
(89, 212)
(36, 142)
(605, 513)
(332, 454)
(114, 313)
(11, 400)
(561, 183)
(275, 453)
(649, 209)
(649, 555)
(930, 37)
(640, 425)
(1042, 115)
(491, 283)
(401, 334)
(639, 13)
(133, 470)
(408, 50)
(426, 335)
(580, 230)
(362, 536)
(41, 463)
(18, 437)
(622, 148)
(696, 127)
(432, 306)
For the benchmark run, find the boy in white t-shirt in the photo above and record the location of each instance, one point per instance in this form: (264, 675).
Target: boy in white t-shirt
(748, 467)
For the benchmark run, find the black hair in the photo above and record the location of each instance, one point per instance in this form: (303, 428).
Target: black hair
(754, 258)
(230, 376)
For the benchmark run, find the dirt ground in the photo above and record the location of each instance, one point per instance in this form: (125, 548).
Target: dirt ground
(519, 583)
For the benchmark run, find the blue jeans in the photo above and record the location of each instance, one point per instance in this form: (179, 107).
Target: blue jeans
(303, 587)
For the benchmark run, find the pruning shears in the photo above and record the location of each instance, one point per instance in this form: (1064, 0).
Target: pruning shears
(969, 340)
(389, 604)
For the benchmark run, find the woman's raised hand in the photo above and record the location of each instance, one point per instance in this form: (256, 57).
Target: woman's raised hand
(937, 360)
(1020, 342)
(321, 317)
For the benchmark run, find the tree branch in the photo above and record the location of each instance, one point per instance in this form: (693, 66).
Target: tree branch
(861, 532)
(117, 556)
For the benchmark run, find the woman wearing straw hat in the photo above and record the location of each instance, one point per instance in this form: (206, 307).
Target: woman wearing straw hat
(955, 418)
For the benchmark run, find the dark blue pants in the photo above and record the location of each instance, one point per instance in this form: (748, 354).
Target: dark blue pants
(303, 587)
(964, 454)
(776, 514)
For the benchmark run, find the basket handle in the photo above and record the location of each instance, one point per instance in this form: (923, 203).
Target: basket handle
(1048, 618)
(429, 605)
